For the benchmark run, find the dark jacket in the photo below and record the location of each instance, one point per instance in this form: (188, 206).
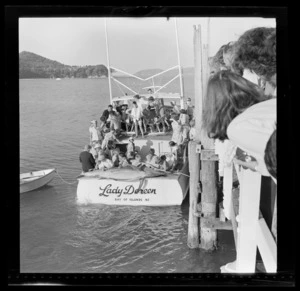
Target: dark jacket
(87, 160)
(104, 115)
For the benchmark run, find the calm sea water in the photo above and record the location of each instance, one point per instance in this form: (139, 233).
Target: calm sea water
(56, 234)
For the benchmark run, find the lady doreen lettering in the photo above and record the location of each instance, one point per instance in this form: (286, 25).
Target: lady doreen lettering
(128, 190)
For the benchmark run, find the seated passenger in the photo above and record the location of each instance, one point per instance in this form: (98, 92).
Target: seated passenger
(115, 157)
(95, 150)
(150, 156)
(131, 146)
(109, 136)
(154, 164)
(174, 148)
(130, 156)
(86, 159)
(122, 160)
(137, 161)
(103, 163)
(163, 164)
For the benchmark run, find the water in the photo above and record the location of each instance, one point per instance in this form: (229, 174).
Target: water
(56, 234)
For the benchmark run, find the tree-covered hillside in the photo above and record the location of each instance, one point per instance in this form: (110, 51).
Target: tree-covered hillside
(35, 66)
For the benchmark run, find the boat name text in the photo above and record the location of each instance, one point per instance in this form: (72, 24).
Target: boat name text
(128, 190)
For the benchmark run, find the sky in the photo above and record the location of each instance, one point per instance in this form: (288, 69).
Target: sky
(134, 43)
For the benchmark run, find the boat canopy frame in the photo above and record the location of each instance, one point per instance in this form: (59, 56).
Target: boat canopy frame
(166, 95)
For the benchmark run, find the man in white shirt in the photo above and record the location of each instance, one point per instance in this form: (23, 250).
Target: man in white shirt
(136, 113)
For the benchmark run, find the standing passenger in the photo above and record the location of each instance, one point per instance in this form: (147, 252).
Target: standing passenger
(136, 114)
(95, 133)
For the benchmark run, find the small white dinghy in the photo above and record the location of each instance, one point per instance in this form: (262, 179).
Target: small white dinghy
(34, 180)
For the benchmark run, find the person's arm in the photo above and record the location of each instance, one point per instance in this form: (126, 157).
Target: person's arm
(252, 165)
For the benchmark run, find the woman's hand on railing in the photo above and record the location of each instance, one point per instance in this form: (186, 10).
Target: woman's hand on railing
(252, 165)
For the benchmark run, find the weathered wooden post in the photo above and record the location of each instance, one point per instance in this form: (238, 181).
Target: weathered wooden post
(208, 174)
(194, 146)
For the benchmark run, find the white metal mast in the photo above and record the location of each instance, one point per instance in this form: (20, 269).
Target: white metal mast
(180, 72)
(108, 66)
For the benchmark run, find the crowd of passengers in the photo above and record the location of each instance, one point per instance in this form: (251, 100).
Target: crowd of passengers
(143, 116)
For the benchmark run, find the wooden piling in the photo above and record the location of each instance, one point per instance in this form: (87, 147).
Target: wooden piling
(208, 174)
(194, 156)
(194, 167)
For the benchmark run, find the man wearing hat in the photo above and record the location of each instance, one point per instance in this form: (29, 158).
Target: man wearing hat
(95, 133)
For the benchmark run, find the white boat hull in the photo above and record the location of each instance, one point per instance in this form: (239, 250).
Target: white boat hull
(34, 180)
(157, 191)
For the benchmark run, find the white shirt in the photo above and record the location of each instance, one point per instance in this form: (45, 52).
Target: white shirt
(136, 113)
(252, 129)
(94, 132)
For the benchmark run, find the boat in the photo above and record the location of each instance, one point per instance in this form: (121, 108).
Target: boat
(138, 188)
(36, 179)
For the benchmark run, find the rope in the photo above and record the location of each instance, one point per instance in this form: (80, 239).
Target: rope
(63, 179)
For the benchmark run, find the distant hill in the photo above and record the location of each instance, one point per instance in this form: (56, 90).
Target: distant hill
(35, 66)
(147, 73)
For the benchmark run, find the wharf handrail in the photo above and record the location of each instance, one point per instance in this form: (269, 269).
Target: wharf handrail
(250, 228)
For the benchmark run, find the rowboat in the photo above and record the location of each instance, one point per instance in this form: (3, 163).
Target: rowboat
(134, 187)
(36, 179)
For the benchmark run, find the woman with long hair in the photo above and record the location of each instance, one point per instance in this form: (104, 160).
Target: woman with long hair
(236, 109)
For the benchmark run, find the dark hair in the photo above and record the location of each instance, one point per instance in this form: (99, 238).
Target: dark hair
(163, 157)
(256, 51)
(172, 143)
(110, 106)
(152, 150)
(270, 155)
(134, 102)
(228, 94)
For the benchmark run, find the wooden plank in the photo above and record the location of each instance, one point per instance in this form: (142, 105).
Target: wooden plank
(267, 246)
(209, 155)
(214, 223)
(193, 224)
(248, 221)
